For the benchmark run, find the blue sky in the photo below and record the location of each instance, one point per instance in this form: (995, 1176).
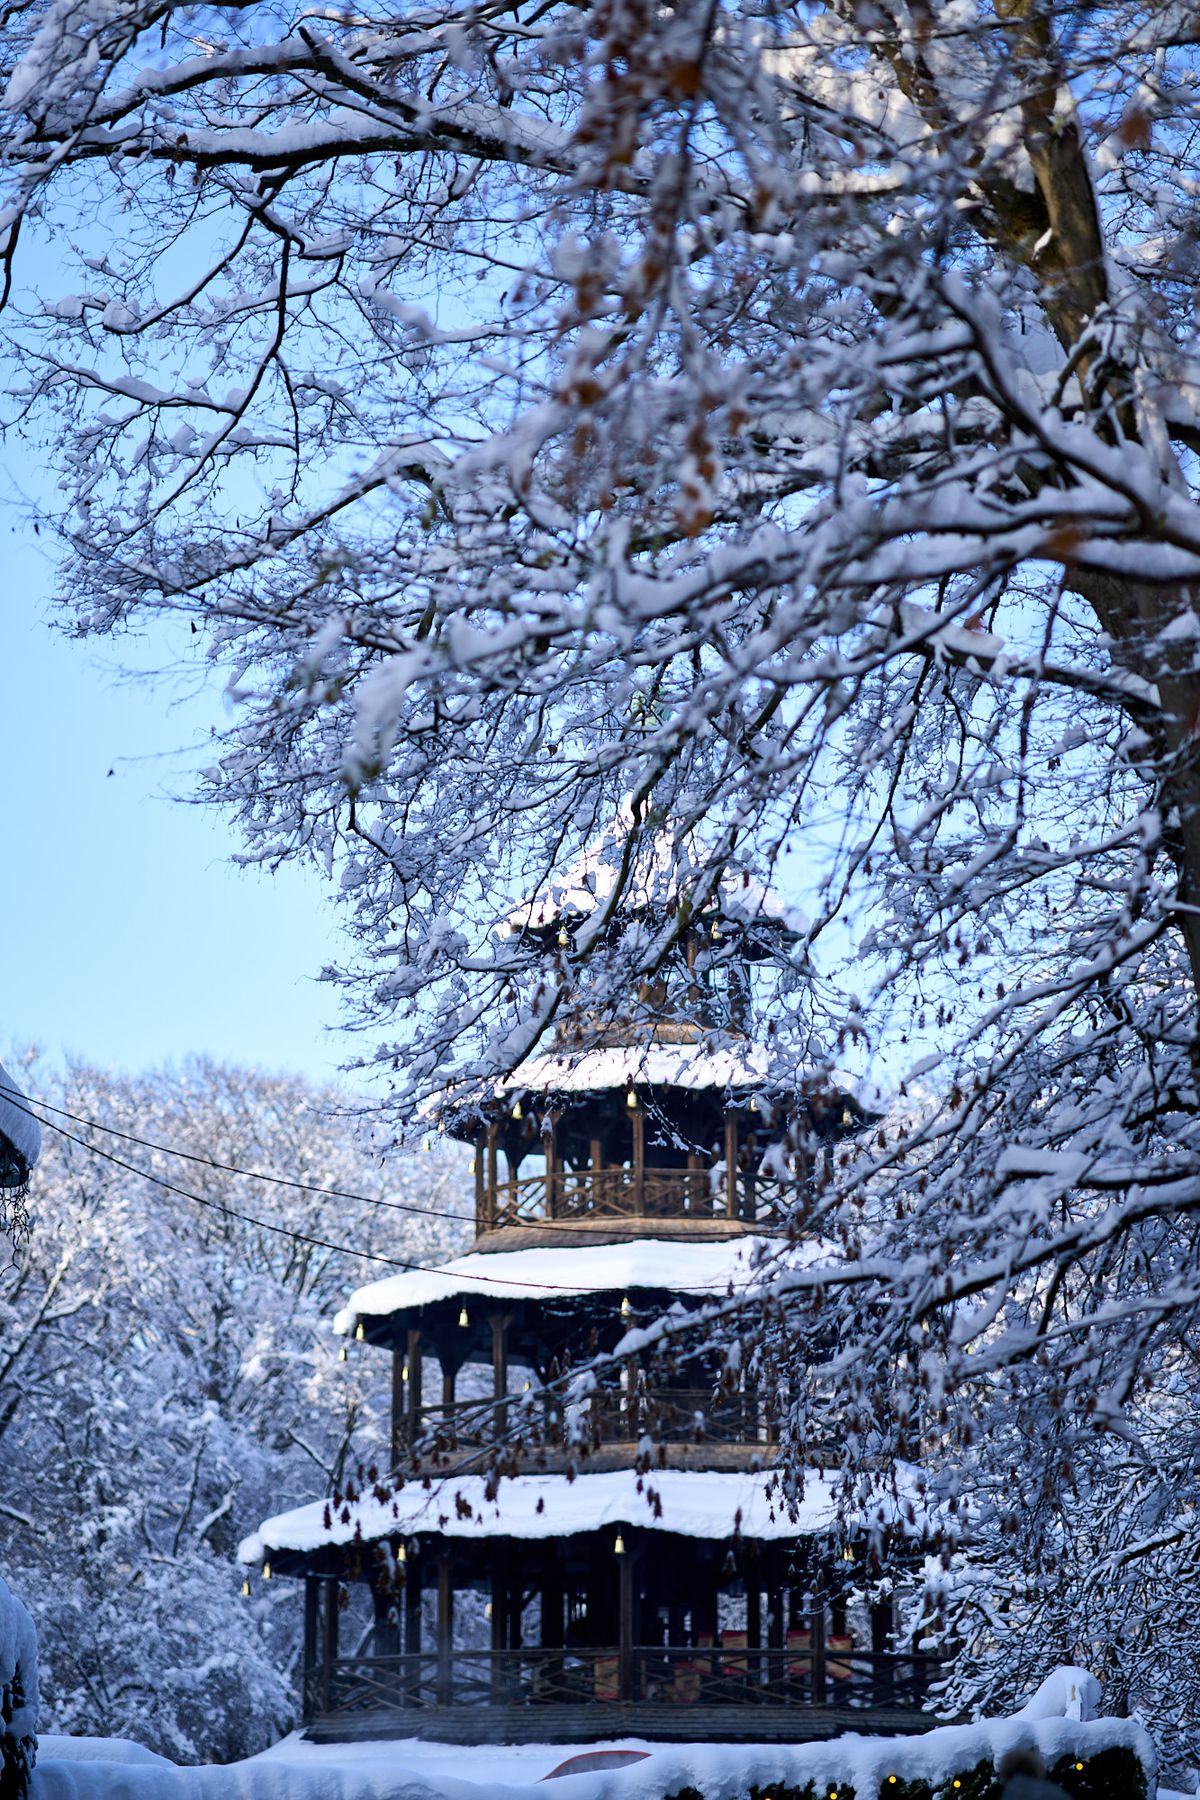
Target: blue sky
(128, 938)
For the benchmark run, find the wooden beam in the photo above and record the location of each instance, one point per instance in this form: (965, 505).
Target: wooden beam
(731, 1166)
(820, 1683)
(329, 1644)
(415, 1385)
(412, 1630)
(312, 1624)
(548, 1150)
(399, 1406)
(625, 1625)
(637, 1120)
(499, 1633)
(489, 1209)
(754, 1625)
(445, 1631)
(499, 1323)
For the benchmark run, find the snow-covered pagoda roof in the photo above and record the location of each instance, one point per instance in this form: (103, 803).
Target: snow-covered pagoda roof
(714, 1505)
(701, 1066)
(703, 1268)
(654, 1065)
(20, 1134)
(663, 867)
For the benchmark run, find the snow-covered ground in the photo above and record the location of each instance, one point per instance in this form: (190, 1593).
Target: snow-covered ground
(89, 1769)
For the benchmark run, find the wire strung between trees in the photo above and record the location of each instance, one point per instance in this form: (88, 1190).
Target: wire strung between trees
(299, 1237)
(20, 1102)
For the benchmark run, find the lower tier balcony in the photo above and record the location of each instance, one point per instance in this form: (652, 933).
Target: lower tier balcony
(683, 1693)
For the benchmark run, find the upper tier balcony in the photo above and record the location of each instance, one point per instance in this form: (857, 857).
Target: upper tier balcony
(720, 1198)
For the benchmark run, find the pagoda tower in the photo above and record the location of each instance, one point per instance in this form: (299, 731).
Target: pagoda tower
(581, 1537)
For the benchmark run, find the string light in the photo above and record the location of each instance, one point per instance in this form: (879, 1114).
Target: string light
(359, 1332)
(402, 1554)
(343, 1354)
(715, 933)
(847, 1554)
(404, 1372)
(462, 1317)
(564, 937)
(619, 1545)
(266, 1571)
(246, 1590)
(428, 1144)
(631, 1098)
(516, 1111)
(626, 1308)
(487, 1611)
(472, 1165)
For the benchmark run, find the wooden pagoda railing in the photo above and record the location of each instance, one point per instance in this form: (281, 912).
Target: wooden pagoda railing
(670, 1416)
(616, 1193)
(661, 1676)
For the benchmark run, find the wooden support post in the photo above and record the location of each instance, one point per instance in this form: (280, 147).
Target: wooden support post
(731, 1166)
(399, 1406)
(775, 1624)
(553, 1598)
(820, 1681)
(493, 1138)
(385, 1601)
(312, 1624)
(329, 1644)
(449, 1377)
(412, 1630)
(625, 1625)
(754, 1627)
(480, 1185)
(637, 1120)
(696, 1183)
(499, 1633)
(445, 1631)
(549, 1152)
(415, 1384)
(499, 1322)
(883, 1647)
(596, 1157)
(553, 1633)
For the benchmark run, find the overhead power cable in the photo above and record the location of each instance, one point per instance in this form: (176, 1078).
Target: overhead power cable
(18, 1100)
(208, 1162)
(300, 1237)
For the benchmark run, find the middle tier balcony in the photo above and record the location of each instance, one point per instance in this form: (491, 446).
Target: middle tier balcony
(678, 1428)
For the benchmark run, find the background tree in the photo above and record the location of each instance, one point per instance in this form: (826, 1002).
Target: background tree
(168, 1379)
(781, 415)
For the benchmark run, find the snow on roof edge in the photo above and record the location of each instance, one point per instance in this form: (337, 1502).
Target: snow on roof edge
(672, 1265)
(709, 1504)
